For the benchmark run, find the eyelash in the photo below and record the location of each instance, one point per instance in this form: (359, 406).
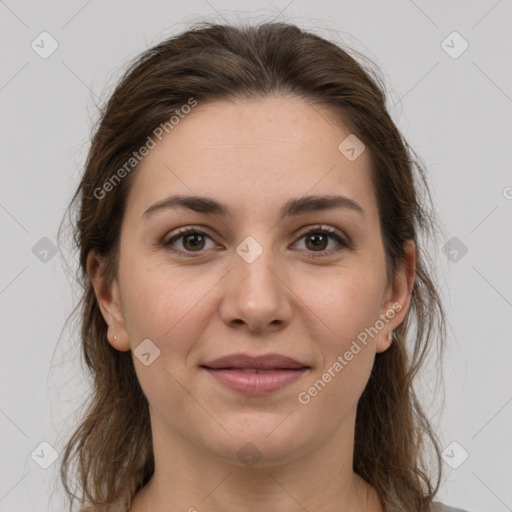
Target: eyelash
(325, 230)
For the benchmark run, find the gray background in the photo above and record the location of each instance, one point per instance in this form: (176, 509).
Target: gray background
(456, 112)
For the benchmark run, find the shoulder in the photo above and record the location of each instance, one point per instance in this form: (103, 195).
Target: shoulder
(446, 508)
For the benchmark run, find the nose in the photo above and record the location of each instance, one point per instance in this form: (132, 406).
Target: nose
(256, 296)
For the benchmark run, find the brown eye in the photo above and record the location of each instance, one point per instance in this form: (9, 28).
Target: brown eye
(191, 241)
(318, 241)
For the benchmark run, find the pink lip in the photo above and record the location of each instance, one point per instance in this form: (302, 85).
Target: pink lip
(256, 383)
(257, 375)
(264, 362)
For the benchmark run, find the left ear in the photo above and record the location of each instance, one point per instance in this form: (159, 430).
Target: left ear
(398, 296)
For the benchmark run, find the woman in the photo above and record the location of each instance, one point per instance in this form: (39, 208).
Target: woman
(249, 230)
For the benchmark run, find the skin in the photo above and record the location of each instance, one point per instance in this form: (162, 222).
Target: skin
(252, 156)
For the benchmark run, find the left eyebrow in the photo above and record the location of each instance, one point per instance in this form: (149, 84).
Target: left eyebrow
(292, 207)
(318, 203)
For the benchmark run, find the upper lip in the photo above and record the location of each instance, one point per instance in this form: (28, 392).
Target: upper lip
(264, 362)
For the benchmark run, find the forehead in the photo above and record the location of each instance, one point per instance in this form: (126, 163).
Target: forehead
(264, 151)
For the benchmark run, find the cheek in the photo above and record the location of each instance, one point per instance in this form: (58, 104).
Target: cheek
(164, 304)
(346, 303)
(346, 308)
(173, 310)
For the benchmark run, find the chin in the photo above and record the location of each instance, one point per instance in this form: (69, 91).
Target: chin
(263, 443)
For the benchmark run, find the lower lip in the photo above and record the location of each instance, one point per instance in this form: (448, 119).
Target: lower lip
(256, 383)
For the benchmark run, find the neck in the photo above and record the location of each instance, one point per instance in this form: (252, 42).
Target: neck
(190, 479)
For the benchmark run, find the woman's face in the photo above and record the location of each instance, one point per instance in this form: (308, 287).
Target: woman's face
(251, 281)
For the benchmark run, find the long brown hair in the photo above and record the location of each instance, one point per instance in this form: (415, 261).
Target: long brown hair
(111, 447)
